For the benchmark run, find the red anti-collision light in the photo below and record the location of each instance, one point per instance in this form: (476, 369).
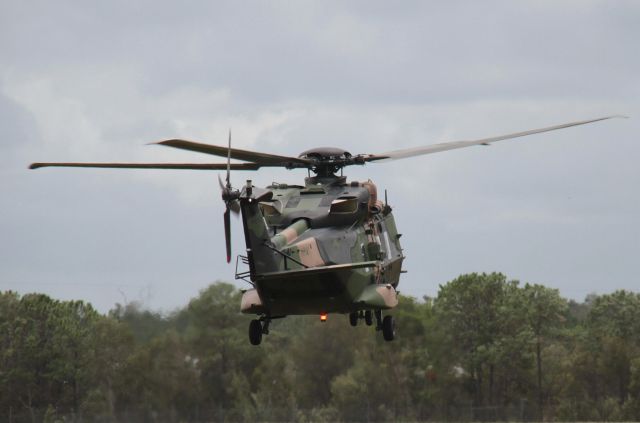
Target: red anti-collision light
(323, 317)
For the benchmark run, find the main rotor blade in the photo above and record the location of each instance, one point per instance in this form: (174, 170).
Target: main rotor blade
(227, 233)
(188, 166)
(436, 148)
(263, 159)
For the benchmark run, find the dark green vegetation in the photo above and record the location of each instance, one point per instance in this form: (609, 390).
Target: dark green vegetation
(486, 349)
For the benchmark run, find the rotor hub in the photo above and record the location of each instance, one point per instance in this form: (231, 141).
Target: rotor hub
(326, 161)
(325, 154)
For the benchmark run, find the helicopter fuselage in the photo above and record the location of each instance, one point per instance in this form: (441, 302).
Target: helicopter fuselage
(326, 247)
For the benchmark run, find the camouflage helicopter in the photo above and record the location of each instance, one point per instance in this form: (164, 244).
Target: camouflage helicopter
(328, 246)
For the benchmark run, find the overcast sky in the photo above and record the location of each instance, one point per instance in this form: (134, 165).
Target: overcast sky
(97, 81)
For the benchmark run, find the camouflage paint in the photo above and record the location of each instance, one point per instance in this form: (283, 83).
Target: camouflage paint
(379, 296)
(289, 234)
(251, 302)
(309, 257)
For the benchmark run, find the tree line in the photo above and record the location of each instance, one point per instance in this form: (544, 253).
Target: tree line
(485, 348)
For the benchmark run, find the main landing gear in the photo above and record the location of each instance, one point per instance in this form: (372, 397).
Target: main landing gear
(388, 328)
(386, 325)
(257, 328)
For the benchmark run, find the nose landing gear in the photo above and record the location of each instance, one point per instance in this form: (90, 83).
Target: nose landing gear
(368, 317)
(386, 325)
(353, 318)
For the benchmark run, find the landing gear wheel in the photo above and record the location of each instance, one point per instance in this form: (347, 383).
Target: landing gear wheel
(368, 317)
(353, 318)
(255, 332)
(388, 328)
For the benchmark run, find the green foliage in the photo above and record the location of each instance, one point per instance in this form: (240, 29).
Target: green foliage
(485, 348)
(143, 324)
(487, 329)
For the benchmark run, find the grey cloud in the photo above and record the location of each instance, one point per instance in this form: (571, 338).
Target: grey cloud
(96, 81)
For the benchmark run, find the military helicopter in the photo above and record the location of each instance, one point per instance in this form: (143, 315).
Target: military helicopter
(328, 246)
